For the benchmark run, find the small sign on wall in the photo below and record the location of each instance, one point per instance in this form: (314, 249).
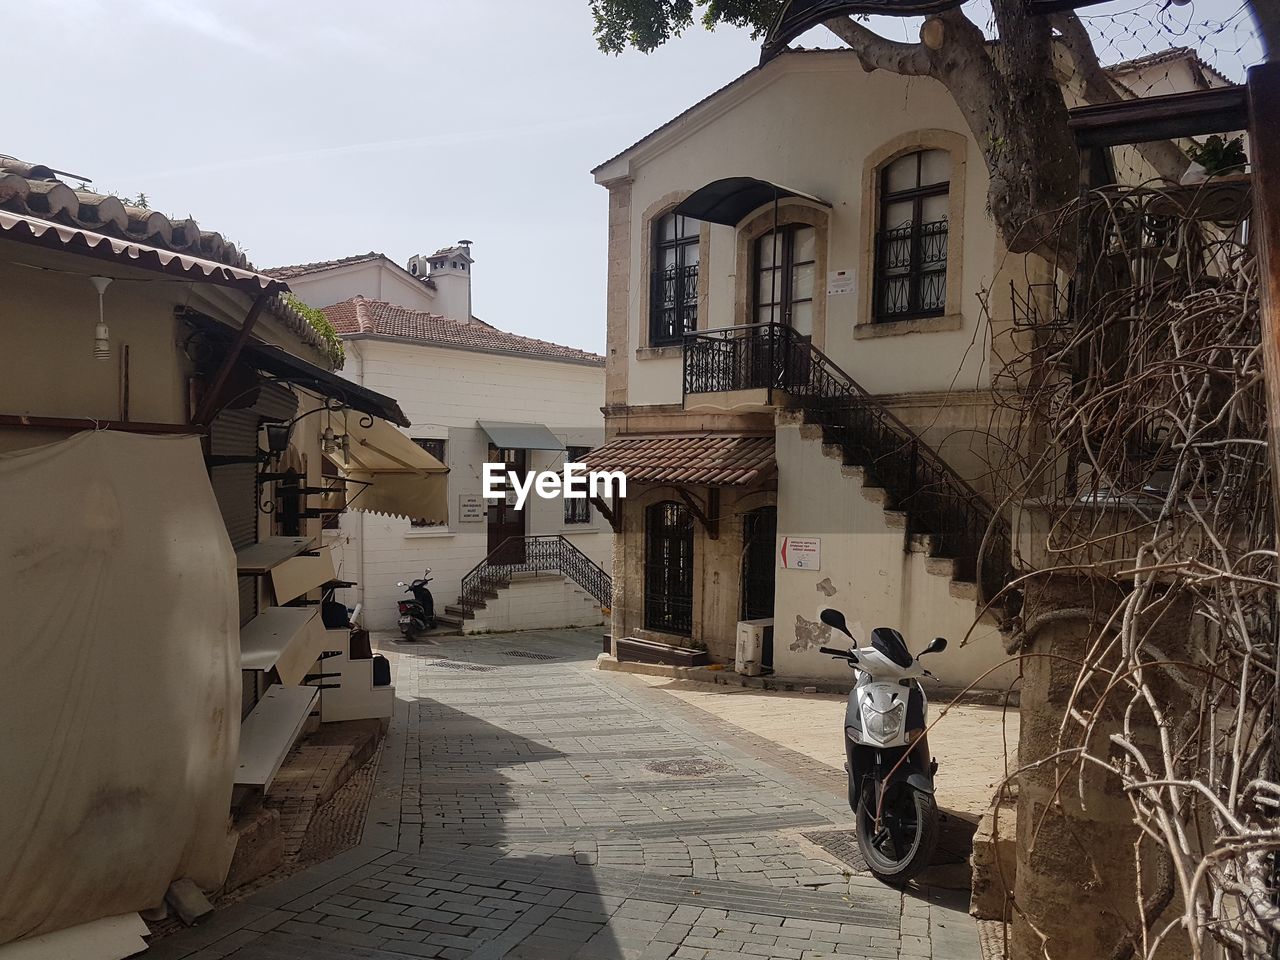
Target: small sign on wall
(841, 281)
(801, 553)
(471, 508)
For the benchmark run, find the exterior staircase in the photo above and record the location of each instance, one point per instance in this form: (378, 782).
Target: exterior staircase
(522, 566)
(940, 513)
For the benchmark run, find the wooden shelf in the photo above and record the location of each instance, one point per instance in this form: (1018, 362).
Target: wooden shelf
(286, 638)
(269, 731)
(261, 558)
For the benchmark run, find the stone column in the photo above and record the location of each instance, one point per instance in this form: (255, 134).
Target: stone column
(1075, 889)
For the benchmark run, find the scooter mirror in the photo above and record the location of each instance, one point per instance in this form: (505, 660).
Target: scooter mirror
(937, 646)
(835, 620)
(401, 583)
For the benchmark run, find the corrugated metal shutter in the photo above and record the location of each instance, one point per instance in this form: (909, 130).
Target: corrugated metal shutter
(235, 433)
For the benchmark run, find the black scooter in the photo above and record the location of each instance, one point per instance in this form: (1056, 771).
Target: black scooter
(419, 614)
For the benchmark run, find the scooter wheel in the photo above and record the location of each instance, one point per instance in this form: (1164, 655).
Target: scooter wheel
(901, 846)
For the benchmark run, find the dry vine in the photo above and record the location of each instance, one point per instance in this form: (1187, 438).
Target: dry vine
(1142, 442)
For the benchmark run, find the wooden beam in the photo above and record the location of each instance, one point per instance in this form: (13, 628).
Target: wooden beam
(76, 424)
(1221, 110)
(607, 512)
(208, 403)
(710, 518)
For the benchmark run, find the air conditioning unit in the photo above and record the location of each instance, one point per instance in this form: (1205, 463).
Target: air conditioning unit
(419, 266)
(755, 637)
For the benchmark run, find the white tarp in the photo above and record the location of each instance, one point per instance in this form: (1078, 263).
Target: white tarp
(119, 686)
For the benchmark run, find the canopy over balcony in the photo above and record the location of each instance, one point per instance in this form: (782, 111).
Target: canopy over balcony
(728, 201)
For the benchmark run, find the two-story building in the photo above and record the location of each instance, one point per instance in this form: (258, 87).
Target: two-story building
(799, 381)
(472, 394)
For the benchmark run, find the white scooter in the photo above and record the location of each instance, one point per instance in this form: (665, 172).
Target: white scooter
(888, 763)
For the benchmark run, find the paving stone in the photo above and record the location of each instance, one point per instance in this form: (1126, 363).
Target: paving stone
(522, 812)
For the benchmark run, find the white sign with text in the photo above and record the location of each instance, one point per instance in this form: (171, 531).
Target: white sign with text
(800, 553)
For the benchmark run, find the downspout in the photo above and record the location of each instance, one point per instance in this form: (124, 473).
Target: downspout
(353, 351)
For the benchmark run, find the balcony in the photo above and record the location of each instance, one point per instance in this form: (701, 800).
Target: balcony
(745, 368)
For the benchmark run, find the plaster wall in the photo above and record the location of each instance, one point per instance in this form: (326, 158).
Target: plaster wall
(868, 573)
(444, 393)
(815, 148)
(375, 280)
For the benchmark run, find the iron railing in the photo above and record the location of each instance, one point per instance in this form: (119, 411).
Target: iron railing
(936, 499)
(534, 555)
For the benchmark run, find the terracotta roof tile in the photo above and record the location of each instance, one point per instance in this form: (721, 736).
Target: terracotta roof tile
(302, 269)
(32, 190)
(361, 316)
(719, 459)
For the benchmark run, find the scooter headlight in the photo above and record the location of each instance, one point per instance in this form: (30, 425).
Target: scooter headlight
(887, 725)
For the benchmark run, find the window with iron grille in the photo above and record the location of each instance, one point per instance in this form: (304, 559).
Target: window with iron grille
(436, 449)
(576, 510)
(785, 265)
(673, 297)
(911, 242)
(668, 568)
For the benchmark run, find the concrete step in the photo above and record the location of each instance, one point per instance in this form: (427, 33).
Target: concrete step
(448, 620)
(964, 590)
(941, 567)
(459, 612)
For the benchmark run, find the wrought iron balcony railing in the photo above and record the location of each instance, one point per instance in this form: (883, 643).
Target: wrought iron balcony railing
(936, 499)
(549, 554)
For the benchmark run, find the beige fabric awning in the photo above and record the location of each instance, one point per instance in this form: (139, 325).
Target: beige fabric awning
(389, 473)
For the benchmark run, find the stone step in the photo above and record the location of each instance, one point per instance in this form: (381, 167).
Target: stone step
(459, 612)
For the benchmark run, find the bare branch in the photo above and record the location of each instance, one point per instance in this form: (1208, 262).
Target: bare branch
(877, 52)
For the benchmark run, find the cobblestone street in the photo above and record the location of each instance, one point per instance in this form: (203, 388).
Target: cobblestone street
(527, 806)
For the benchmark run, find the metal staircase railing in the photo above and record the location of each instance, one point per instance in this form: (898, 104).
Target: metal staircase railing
(937, 500)
(544, 554)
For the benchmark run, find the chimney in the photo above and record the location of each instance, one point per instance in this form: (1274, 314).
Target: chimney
(451, 273)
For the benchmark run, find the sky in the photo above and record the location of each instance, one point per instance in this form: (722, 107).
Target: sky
(315, 130)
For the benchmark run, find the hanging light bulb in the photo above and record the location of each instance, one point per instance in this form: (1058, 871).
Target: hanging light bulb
(328, 440)
(101, 335)
(346, 447)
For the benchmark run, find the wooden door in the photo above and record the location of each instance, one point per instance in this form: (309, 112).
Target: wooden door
(505, 521)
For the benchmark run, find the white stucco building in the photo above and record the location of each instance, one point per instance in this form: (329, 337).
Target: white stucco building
(473, 394)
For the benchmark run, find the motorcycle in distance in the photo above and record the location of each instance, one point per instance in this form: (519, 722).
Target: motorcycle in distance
(887, 753)
(419, 614)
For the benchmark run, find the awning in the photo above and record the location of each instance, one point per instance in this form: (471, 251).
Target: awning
(520, 436)
(729, 200)
(716, 460)
(389, 473)
(280, 363)
(45, 233)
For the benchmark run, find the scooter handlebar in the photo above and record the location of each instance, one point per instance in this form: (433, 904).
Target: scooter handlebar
(846, 654)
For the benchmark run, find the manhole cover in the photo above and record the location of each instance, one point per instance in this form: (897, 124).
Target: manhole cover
(688, 767)
(459, 665)
(529, 655)
(955, 843)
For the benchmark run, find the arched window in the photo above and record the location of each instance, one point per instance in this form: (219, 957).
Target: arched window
(911, 237)
(785, 264)
(673, 298)
(668, 568)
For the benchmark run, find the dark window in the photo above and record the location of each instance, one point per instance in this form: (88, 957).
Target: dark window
(759, 546)
(673, 298)
(576, 511)
(911, 243)
(668, 568)
(785, 264)
(436, 449)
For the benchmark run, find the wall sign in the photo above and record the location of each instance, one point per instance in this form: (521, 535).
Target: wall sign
(471, 508)
(841, 281)
(801, 553)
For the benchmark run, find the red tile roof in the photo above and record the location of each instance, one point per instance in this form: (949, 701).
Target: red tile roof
(306, 269)
(714, 459)
(361, 316)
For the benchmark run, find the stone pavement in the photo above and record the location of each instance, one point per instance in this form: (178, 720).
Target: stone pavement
(528, 807)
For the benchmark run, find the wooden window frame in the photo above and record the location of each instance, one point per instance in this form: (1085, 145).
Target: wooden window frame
(915, 272)
(786, 268)
(667, 611)
(576, 512)
(686, 307)
(436, 447)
